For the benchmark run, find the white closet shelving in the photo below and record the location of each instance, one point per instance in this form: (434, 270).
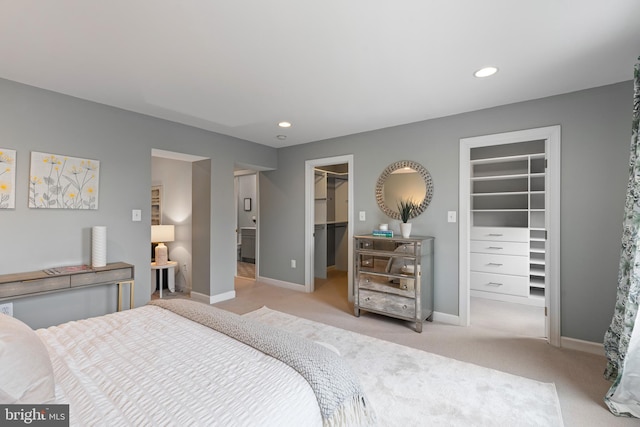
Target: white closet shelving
(331, 221)
(508, 236)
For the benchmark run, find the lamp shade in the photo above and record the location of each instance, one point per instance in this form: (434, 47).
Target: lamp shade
(162, 233)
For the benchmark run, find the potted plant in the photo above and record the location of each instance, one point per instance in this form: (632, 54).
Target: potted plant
(406, 208)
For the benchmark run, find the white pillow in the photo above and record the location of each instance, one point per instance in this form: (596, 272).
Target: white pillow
(26, 374)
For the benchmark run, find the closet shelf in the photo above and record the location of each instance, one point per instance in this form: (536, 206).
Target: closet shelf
(499, 210)
(536, 272)
(503, 193)
(504, 159)
(500, 177)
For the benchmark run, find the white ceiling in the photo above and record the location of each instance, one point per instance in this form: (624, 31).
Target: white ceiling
(331, 67)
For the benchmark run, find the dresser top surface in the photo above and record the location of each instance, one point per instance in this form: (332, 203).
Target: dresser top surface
(395, 238)
(60, 271)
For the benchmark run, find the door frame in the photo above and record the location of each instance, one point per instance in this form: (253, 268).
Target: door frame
(309, 218)
(552, 137)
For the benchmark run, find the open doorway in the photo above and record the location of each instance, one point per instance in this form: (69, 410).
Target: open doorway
(246, 191)
(510, 232)
(329, 230)
(171, 205)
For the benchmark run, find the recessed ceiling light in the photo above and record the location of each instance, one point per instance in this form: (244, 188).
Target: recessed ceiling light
(486, 72)
(281, 137)
(284, 124)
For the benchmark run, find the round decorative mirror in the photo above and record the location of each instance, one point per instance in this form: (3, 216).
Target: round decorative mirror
(404, 180)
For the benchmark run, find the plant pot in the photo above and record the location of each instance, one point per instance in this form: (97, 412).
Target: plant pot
(405, 229)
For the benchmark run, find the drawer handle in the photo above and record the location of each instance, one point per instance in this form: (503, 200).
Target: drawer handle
(495, 247)
(366, 280)
(404, 307)
(495, 264)
(367, 298)
(495, 234)
(496, 284)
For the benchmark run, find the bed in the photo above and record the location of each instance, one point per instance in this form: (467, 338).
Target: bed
(178, 362)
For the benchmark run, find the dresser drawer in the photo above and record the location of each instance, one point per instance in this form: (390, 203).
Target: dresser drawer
(499, 283)
(500, 234)
(387, 303)
(498, 247)
(98, 277)
(500, 264)
(26, 287)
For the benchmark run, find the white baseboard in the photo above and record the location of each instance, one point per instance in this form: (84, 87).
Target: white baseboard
(449, 319)
(580, 345)
(281, 284)
(212, 299)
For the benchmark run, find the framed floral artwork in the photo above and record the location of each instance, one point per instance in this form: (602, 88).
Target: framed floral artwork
(7, 178)
(63, 182)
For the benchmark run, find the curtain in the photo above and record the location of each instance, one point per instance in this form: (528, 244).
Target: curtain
(622, 339)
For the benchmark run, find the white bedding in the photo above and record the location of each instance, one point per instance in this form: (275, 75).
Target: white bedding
(149, 366)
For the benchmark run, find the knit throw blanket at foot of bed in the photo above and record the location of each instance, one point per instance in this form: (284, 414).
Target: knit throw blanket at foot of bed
(337, 388)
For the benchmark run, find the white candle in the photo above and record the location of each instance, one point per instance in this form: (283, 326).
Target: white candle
(99, 246)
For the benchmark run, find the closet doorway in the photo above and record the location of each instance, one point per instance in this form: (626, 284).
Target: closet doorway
(328, 221)
(246, 207)
(510, 229)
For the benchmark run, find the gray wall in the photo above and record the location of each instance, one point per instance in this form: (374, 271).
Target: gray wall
(595, 144)
(32, 119)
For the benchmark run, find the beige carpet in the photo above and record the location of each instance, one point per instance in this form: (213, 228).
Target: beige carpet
(409, 387)
(246, 269)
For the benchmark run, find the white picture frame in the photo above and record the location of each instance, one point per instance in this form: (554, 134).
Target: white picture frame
(7, 178)
(63, 182)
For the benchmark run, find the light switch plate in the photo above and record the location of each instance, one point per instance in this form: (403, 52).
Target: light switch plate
(136, 215)
(451, 216)
(363, 216)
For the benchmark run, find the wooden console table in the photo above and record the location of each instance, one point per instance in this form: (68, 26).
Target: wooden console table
(21, 285)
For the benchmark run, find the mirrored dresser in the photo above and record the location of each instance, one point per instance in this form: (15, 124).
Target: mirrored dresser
(393, 276)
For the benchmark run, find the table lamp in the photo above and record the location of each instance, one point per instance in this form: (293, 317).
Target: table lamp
(161, 234)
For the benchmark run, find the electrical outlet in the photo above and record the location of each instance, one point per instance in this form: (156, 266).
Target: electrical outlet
(7, 309)
(184, 267)
(293, 263)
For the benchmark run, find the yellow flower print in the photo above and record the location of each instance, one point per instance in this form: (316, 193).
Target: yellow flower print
(5, 186)
(75, 170)
(4, 158)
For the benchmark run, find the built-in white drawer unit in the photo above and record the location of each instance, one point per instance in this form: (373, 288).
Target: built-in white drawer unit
(500, 283)
(499, 261)
(501, 248)
(500, 264)
(500, 234)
